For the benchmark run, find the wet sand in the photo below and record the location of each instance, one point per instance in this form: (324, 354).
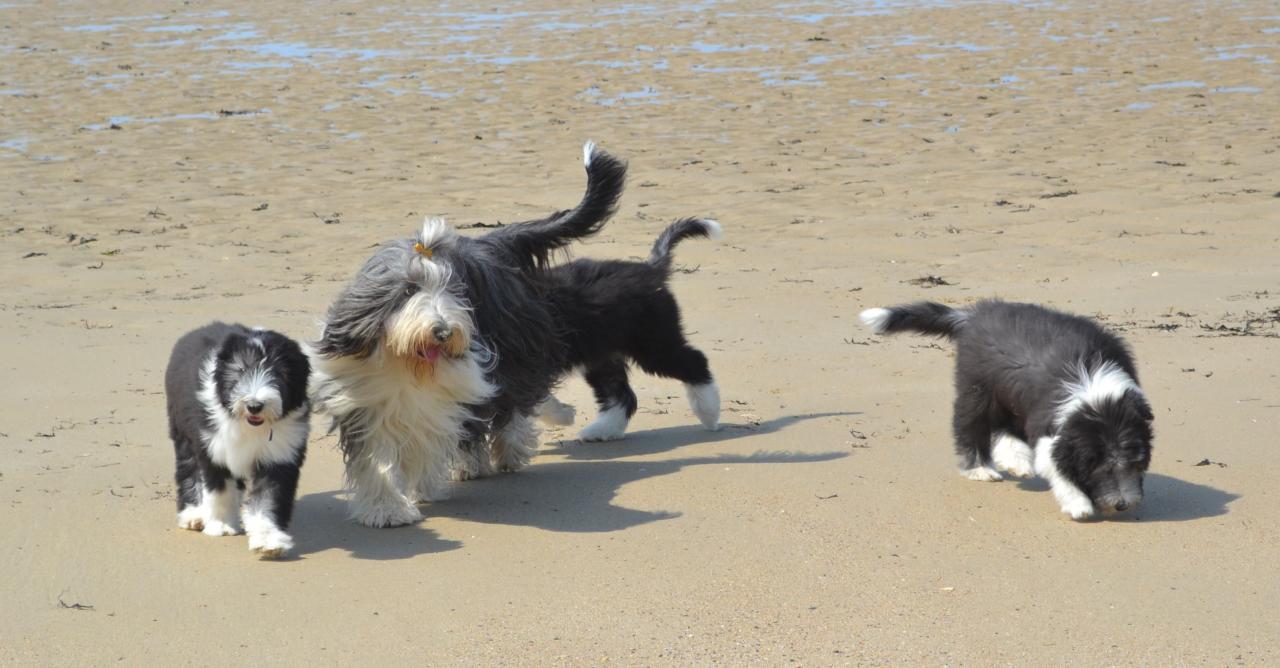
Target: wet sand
(164, 167)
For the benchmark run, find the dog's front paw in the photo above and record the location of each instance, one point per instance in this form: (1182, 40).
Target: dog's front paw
(191, 518)
(387, 516)
(270, 544)
(1078, 509)
(982, 474)
(1013, 456)
(219, 528)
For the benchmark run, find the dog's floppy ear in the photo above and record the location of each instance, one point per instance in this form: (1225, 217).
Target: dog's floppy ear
(357, 319)
(1140, 404)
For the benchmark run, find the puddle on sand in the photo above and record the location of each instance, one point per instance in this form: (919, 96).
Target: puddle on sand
(1172, 85)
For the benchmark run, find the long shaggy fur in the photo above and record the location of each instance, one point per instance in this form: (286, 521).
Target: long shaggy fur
(439, 344)
(613, 313)
(238, 416)
(1044, 391)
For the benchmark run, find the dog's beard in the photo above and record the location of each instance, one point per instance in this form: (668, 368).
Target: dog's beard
(412, 336)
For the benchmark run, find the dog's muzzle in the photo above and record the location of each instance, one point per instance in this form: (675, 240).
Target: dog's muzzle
(255, 412)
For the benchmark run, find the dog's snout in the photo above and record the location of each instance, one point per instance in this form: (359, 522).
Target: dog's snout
(1122, 505)
(254, 407)
(440, 332)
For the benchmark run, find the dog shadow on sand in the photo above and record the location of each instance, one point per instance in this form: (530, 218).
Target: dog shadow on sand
(577, 495)
(321, 523)
(1165, 499)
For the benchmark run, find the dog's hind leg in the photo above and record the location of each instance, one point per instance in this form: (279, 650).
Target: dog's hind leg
(472, 460)
(972, 426)
(675, 358)
(191, 514)
(617, 402)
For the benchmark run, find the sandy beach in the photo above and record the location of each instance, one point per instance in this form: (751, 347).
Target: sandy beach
(163, 165)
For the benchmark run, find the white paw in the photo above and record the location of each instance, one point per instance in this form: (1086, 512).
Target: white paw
(1012, 456)
(219, 528)
(513, 461)
(705, 402)
(1078, 508)
(600, 432)
(610, 425)
(461, 475)
(271, 544)
(191, 518)
(982, 474)
(387, 515)
(1017, 470)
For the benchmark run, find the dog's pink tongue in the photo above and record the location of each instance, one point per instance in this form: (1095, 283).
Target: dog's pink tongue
(433, 354)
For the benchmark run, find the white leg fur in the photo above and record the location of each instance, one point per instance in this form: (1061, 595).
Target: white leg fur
(1012, 456)
(555, 413)
(220, 510)
(515, 445)
(265, 537)
(982, 474)
(191, 518)
(376, 500)
(705, 402)
(471, 464)
(609, 425)
(1072, 501)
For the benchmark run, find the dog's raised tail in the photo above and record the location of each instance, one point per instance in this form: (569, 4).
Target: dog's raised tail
(535, 241)
(922, 317)
(678, 231)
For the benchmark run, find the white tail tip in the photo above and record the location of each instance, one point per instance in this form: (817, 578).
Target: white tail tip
(714, 231)
(588, 150)
(875, 318)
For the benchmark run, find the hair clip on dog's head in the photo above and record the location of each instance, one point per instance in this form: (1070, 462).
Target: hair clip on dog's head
(423, 250)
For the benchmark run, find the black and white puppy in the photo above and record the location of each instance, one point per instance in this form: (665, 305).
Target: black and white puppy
(1026, 374)
(238, 415)
(442, 346)
(615, 312)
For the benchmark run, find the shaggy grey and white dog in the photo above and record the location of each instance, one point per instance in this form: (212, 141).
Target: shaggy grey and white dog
(442, 346)
(239, 417)
(1040, 391)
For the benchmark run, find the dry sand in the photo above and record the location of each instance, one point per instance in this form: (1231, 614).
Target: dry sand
(1114, 159)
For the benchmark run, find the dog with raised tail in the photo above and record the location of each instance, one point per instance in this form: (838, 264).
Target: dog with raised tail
(1041, 392)
(443, 345)
(616, 312)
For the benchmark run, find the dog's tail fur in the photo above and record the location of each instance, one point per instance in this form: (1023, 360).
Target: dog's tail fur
(923, 317)
(679, 231)
(534, 242)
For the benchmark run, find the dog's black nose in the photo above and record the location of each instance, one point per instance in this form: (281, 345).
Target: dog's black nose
(254, 407)
(441, 332)
(1121, 505)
